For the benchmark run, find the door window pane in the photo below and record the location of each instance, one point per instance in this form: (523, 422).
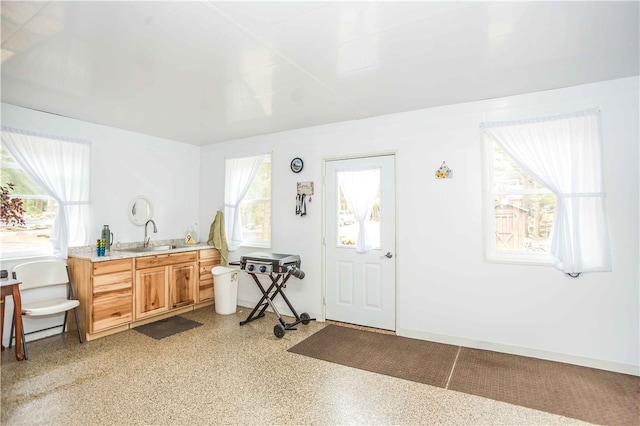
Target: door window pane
(347, 232)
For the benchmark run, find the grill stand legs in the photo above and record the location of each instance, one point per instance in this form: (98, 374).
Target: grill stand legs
(278, 282)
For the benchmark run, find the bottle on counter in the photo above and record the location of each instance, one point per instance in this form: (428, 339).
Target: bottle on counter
(107, 236)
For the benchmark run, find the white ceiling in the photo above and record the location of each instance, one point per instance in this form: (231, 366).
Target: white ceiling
(206, 71)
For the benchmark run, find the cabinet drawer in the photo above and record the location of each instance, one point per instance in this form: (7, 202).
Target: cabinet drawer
(112, 312)
(101, 298)
(210, 254)
(205, 269)
(165, 259)
(205, 289)
(108, 267)
(112, 282)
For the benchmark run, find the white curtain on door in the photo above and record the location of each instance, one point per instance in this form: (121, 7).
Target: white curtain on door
(61, 168)
(360, 188)
(239, 175)
(564, 153)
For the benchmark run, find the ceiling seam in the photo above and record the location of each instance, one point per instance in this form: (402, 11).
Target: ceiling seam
(284, 57)
(25, 23)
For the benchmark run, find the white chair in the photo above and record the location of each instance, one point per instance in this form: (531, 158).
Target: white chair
(45, 273)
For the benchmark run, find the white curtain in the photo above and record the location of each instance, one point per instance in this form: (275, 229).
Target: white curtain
(61, 167)
(564, 153)
(239, 175)
(359, 188)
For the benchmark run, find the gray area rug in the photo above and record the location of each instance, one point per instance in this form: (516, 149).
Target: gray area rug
(588, 394)
(167, 327)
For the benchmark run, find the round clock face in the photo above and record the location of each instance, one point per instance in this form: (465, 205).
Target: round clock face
(296, 165)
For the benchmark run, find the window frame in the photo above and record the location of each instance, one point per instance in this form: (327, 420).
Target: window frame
(490, 253)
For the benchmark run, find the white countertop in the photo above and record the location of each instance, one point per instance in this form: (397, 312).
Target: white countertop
(89, 252)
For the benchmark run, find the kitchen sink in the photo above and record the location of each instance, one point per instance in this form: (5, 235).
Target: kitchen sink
(149, 249)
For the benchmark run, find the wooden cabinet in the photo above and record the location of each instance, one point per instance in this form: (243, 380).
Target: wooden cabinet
(152, 291)
(118, 294)
(112, 294)
(105, 291)
(207, 259)
(182, 284)
(164, 282)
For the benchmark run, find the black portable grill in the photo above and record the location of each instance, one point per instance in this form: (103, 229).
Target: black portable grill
(279, 267)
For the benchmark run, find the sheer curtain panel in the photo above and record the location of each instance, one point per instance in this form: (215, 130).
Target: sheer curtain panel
(564, 153)
(61, 167)
(359, 188)
(238, 177)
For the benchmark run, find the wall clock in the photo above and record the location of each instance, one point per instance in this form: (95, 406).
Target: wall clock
(297, 165)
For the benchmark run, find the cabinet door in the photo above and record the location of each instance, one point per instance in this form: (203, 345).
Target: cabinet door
(182, 282)
(152, 291)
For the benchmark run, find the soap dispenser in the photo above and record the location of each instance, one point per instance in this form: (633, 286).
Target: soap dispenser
(191, 236)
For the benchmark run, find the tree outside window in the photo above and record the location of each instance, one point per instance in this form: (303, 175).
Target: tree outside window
(31, 235)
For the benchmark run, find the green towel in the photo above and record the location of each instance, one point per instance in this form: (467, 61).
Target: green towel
(218, 237)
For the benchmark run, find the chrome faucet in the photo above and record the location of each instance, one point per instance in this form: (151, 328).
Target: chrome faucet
(155, 231)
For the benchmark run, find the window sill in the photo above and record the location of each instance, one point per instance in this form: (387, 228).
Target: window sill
(518, 259)
(26, 256)
(256, 245)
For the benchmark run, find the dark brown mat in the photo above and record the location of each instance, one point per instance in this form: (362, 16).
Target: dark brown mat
(167, 327)
(596, 396)
(410, 359)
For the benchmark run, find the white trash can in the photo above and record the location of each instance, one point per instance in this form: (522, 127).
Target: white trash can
(225, 289)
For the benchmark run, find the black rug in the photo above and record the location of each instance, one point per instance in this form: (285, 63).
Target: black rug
(167, 327)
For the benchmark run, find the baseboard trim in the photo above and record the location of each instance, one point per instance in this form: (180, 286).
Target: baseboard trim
(517, 350)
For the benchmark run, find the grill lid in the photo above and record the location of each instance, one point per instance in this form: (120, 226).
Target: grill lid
(263, 262)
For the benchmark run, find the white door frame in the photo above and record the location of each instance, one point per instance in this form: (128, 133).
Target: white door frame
(324, 224)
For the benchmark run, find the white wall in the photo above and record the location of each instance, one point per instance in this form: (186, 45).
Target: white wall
(123, 165)
(126, 164)
(446, 292)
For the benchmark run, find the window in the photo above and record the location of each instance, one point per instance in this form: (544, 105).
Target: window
(364, 189)
(32, 238)
(564, 153)
(255, 209)
(61, 167)
(519, 211)
(248, 201)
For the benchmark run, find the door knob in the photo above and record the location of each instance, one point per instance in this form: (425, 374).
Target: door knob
(388, 255)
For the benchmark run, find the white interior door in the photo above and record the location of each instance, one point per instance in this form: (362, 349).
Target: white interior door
(360, 287)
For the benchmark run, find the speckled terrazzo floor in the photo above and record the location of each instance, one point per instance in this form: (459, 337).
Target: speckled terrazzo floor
(222, 373)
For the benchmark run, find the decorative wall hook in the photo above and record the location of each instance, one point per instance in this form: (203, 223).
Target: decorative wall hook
(305, 188)
(444, 172)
